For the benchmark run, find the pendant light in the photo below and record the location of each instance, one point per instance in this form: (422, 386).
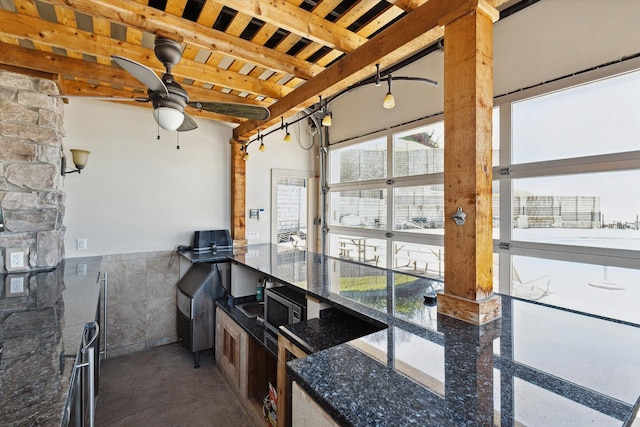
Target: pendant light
(389, 102)
(287, 136)
(326, 119)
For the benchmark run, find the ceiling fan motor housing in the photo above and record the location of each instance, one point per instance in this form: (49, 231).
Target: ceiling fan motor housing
(177, 98)
(168, 52)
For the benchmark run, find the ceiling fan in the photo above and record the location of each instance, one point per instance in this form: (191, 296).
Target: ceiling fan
(169, 98)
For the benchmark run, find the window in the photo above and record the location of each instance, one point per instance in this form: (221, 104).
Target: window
(594, 118)
(573, 200)
(597, 209)
(359, 208)
(290, 207)
(419, 151)
(566, 207)
(419, 209)
(362, 162)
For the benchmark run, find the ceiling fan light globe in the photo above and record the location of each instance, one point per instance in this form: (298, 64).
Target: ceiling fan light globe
(168, 118)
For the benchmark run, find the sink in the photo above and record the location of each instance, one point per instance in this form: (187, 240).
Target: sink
(252, 309)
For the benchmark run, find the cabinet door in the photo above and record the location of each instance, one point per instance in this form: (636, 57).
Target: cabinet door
(306, 412)
(231, 352)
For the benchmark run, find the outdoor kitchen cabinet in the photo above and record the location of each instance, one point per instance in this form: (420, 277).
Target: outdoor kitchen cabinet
(246, 365)
(307, 412)
(231, 353)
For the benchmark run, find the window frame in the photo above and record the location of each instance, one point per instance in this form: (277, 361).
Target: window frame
(504, 173)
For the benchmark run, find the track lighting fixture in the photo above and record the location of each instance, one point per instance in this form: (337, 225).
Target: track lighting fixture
(322, 108)
(285, 126)
(326, 120)
(287, 136)
(389, 102)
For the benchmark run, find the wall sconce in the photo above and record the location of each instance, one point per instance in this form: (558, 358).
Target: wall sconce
(80, 159)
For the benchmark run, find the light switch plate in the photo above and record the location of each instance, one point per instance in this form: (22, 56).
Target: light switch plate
(81, 244)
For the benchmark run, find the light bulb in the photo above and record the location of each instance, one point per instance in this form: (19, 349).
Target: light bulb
(287, 137)
(326, 120)
(389, 102)
(262, 147)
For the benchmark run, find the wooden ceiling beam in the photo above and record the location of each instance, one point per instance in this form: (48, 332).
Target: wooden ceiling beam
(149, 19)
(399, 40)
(99, 46)
(298, 21)
(353, 67)
(17, 56)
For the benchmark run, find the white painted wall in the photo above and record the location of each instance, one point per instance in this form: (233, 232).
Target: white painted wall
(137, 193)
(140, 194)
(547, 40)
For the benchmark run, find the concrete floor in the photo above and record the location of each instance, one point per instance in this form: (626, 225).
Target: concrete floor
(159, 387)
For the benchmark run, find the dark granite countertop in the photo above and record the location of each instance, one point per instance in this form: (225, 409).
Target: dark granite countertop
(42, 315)
(332, 328)
(536, 365)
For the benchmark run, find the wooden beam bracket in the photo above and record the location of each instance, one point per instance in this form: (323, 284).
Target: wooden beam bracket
(475, 312)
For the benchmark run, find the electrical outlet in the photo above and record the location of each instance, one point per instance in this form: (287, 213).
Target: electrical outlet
(81, 270)
(81, 244)
(17, 260)
(17, 285)
(253, 235)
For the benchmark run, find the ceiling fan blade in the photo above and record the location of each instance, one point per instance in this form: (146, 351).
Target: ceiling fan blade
(247, 111)
(101, 98)
(187, 124)
(144, 74)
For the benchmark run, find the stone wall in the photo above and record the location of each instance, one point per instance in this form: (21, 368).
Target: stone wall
(31, 200)
(141, 301)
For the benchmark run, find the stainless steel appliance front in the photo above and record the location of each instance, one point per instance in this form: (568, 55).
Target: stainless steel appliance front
(283, 306)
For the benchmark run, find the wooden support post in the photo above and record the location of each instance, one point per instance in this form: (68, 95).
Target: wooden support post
(468, 104)
(238, 194)
(287, 351)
